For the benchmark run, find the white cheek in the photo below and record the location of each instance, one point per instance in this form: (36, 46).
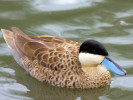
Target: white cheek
(90, 59)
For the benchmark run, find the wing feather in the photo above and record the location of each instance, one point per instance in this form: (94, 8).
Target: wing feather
(48, 51)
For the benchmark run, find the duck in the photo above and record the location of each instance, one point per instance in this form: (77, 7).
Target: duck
(61, 62)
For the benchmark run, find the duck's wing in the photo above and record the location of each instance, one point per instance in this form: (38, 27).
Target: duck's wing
(61, 55)
(48, 51)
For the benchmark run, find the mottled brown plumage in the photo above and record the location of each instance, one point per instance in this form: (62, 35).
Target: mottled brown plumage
(54, 60)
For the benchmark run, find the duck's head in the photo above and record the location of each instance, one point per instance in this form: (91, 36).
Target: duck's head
(92, 53)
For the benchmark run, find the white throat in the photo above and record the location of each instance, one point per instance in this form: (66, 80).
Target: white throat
(87, 59)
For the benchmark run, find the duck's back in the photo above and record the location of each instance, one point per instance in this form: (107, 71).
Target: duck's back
(47, 58)
(58, 54)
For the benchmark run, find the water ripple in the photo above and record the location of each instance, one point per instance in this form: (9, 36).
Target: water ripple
(60, 5)
(12, 15)
(10, 91)
(124, 14)
(61, 30)
(7, 70)
(4, 49)
(125, 40)
(124, 83)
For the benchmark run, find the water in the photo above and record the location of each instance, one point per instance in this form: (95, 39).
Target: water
(77, 20)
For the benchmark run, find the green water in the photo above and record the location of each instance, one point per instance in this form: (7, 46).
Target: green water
(77, 20)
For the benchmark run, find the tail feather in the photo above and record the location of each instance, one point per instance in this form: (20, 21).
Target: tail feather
(17, 30)
(20, 38)
(21, 45)
(15, 40)
(9, 38)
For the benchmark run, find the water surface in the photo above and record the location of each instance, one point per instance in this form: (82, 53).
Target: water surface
(77, 20)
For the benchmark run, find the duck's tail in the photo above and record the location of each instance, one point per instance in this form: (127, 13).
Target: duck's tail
(14, 41)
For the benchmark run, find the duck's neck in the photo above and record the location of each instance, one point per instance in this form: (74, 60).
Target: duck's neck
(96, 76)
(93, 69)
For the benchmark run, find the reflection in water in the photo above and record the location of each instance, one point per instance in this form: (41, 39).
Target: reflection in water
(64, 2)
(44, 91)
(124, 14)
(12, 15)
(59, 5)
(9, 89)
(63, 31)
(123, 83)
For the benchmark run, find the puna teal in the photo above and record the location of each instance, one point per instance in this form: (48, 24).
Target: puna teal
(62, 62)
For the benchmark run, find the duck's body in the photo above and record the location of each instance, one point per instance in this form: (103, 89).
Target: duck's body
(55, 61)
